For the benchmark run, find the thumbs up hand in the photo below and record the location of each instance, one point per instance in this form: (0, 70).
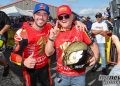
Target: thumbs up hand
(30, 61)
(54, 31)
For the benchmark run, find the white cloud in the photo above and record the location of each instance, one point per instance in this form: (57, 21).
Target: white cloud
(91, 12)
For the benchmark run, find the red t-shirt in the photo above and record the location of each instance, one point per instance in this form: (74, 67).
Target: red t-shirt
(62, 41)
(36, 44)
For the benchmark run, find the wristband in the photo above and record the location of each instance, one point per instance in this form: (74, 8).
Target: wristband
(51, 39)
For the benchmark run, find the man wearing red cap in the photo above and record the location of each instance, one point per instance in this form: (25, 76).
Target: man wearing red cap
(60, 39)
(31, 40)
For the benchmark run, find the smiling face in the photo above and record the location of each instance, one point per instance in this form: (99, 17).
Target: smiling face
(65, 20)
(40, 18)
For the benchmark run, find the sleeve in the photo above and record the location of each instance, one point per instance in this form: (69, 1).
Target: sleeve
(93, 26)
(105, 27)
(17, 36)
(6, 19)
(21, 41)
(86, 38)
(16, 55)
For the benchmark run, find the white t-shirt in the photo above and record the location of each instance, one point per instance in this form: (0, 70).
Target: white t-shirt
(99, 26)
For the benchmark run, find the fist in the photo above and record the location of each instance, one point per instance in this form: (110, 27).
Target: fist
(30, 61)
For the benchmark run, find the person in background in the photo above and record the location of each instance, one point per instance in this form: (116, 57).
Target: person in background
(88, 23)
(115, 70)
(100, 29)
(30, 47)
(5, 25)
(61, 36)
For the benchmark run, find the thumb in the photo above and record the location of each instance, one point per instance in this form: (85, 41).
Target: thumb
(30, 56)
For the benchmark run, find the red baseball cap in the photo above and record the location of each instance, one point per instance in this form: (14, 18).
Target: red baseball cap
(63, 9)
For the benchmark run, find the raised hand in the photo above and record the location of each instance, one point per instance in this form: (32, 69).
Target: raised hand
(30, 61)
(54, 31)
(81, 26)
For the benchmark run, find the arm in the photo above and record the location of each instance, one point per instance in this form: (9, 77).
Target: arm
(116, 41)
(95, 50)
(17, 54)
(7, 23)
(49, 48)
(97, 32)
(4, 29)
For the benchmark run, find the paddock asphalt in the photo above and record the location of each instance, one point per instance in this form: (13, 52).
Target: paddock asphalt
(15, 76)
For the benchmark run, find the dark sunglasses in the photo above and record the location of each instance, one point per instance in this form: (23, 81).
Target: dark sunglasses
(65, 16)
(98, 16)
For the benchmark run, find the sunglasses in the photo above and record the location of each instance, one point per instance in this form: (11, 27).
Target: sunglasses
(98, 16)
(64, 16)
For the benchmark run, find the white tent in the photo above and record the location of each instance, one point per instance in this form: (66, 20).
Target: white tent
(14, 11)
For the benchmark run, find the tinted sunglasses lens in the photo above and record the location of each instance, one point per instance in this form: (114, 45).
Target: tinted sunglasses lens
(60, 17)
(98, 16)
(67, 16)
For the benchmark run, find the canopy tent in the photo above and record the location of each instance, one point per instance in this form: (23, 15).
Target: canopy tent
(15, 11)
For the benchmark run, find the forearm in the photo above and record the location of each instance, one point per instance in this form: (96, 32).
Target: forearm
(95, 50)
(4, 29)
(97, 31)
(49, 48)
(117, 44)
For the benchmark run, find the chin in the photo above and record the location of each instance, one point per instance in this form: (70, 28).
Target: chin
(41, 24)
(65, 26)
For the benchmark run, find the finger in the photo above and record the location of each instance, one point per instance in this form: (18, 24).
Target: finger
(30, 56)
(56, 25)
(32, 65)
(92, 61)
(85, 28)
(33, 61)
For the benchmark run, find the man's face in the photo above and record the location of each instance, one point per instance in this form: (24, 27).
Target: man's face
(40, 18)
(99, 19)
(65, 20)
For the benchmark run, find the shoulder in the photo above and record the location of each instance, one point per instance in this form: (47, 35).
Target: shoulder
(104, 22)
(94, 24)
(1, 12)
(48, 24)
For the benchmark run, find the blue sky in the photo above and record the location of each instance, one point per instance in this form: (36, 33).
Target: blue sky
(81, 7)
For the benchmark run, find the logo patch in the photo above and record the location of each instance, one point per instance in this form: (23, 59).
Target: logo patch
(63, 9)
(42, 7)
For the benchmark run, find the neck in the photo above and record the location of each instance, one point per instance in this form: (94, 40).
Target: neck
(67, 28)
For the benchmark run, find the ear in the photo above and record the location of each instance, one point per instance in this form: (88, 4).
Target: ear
(33, 16)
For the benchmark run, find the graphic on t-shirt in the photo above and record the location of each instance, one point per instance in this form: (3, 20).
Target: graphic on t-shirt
(42, 43)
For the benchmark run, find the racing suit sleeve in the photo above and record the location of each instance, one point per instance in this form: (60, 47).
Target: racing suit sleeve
(21, 42)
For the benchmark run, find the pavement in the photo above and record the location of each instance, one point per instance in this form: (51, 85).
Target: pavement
(11, 80)
(15, 76)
